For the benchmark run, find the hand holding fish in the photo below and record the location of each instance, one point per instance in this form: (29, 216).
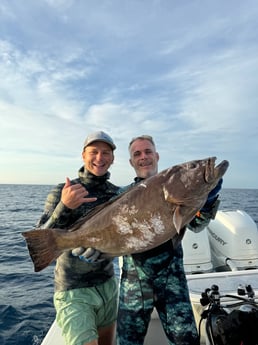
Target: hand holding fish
(73, 195)
(89, 255)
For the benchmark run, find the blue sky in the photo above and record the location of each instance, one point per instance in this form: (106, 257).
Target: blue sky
(185, 72)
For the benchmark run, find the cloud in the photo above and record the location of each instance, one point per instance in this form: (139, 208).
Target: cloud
(182, 72)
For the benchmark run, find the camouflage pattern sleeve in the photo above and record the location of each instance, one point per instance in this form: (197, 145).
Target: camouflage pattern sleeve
(55, 214)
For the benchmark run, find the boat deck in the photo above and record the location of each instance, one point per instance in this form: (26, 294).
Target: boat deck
(228, 283)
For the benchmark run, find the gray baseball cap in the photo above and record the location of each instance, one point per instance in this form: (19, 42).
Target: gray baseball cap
(99, 136)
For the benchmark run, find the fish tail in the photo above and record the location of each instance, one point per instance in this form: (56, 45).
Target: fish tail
(42, 246)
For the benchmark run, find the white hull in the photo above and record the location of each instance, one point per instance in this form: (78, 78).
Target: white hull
(222, 254)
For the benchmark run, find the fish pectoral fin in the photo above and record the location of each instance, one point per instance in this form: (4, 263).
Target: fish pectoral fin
(177, 218)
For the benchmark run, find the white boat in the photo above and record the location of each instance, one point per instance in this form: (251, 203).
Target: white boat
(221, 264)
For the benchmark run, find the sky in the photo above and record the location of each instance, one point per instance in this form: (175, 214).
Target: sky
(185, 72)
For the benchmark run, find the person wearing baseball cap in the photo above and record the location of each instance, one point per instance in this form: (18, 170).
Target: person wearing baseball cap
(86, 291)
(99, 136)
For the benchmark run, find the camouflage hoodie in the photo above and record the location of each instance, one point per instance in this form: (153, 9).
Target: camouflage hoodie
(70, 271)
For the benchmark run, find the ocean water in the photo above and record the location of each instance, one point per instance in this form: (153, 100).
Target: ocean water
(26, 307)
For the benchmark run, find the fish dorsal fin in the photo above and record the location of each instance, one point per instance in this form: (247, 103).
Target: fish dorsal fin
(133, 190)
(96, 209)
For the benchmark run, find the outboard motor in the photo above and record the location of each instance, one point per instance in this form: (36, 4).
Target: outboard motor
(233, 237)
(197, 254)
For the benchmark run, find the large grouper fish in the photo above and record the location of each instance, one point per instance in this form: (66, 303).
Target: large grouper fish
(141, 218)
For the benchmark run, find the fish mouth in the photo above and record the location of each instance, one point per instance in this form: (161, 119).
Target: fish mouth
(222, 167)
(214, 172)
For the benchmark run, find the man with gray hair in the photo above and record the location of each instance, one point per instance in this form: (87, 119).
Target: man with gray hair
(156, 278)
